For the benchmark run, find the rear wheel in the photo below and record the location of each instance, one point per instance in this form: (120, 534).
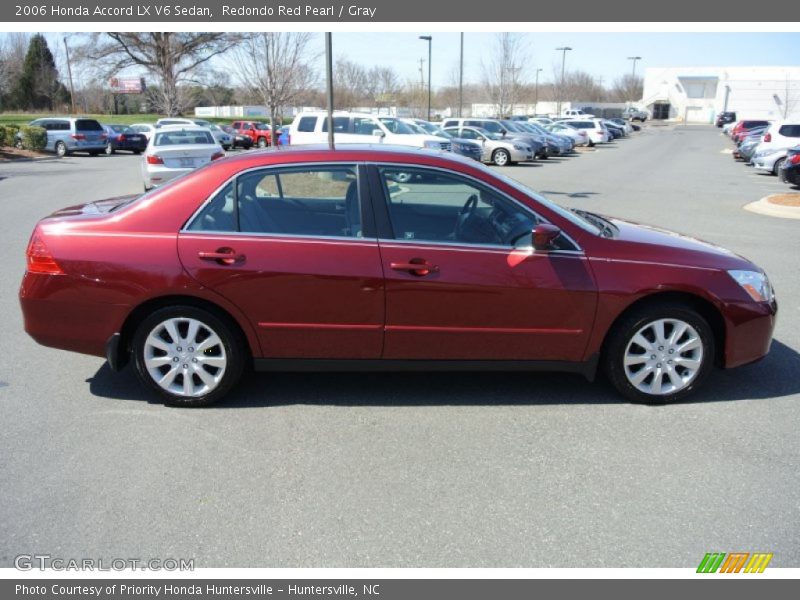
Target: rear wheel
(659, 353)
(777, 166)
(501, 157)
(137, 151)
(109, 149)
(262, 142)
(61, 149)
(188, 355)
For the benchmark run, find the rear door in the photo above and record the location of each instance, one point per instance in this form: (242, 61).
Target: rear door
(288, 247)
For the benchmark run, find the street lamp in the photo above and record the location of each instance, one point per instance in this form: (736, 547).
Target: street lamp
(633, 72)
(563, 50)
(536, 93)
(428, 39)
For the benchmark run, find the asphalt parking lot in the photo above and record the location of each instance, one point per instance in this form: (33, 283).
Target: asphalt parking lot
(414, 470)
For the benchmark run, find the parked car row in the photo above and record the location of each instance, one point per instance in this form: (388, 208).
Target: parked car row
(771, 147)
(500, 142)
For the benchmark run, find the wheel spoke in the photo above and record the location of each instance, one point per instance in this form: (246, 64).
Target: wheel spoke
(674, 378)
(635, 359)
(642, 341)
(213, 361)
(677, 332)
(154, 362)
(640, 375)
(166, 381)
(205, 376)
(172, 331)
(691, 344)
(656, 383)
(157, 342)
(690, 363)
(211, 341)
(658, 330)
(191, 334)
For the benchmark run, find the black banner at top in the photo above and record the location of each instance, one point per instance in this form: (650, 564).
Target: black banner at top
(444, 11)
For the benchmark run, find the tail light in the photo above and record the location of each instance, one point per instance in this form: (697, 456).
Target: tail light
(121, 137)
(768, 137)
(78, 136)
(154, 159)
(39, 258)
(795, 159)
(217, 155)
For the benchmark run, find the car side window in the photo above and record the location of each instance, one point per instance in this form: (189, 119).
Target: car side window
(433, 206)
(340, 124)
(309, 201)
(218, 214)
(363, 125)
(789, 130)
(470, 134)
(307, 124)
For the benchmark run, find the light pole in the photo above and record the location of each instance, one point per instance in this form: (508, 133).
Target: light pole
(563, 50)
(428, 39)
(633, 72)
(536, 93)
(461, 77)
(329, 84)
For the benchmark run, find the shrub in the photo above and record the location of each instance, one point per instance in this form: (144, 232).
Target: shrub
(9, 135)
(33, 138)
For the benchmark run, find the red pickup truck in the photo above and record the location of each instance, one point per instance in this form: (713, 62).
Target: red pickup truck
(256, 131)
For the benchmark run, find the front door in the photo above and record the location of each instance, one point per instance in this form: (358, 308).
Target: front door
(461, 282)
(287, 246)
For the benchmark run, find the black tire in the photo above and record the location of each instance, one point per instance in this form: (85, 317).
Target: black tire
(262, 142)
(137, 151)
(61, 149)
(234, 347)
(94, 153)
(777, 166)
(501, 157)
(624, 330)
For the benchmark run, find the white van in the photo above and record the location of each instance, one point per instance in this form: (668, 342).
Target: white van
(360, 128)
(576, 113)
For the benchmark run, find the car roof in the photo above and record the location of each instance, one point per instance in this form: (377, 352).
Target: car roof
(183, 127)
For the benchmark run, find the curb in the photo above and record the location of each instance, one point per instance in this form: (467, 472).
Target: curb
(765, 207)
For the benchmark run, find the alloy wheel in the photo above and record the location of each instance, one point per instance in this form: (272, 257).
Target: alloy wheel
(664, 356)
(185, 357)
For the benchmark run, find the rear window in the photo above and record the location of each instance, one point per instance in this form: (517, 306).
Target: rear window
(789, 130)
(307, 124)
(87, 125)
(174, 138)
(751, 124)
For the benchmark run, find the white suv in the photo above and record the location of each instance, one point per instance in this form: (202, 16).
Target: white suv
(781, 134)
(360, 128)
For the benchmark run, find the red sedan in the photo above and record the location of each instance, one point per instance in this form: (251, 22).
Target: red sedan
(366, 258)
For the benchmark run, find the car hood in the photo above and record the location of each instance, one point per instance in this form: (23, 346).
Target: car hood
(646, 243)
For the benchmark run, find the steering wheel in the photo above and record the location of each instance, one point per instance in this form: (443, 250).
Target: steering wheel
(469, 206)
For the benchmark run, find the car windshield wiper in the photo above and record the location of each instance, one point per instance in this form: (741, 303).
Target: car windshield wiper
(605, 226)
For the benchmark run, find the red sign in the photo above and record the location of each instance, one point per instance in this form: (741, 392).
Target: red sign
(127, 85)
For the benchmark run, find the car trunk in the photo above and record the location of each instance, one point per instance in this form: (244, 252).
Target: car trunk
(185, 156)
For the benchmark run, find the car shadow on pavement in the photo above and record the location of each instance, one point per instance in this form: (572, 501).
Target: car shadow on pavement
(569, 194)
(773, 377)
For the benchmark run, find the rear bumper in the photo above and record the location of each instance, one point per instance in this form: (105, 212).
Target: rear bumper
(58, 315)
(749, 328)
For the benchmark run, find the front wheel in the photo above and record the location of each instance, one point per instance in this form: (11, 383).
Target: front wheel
(188, 355)
(659, 353)
(109, 149)
(501, 157)
(262, 142)
(61, 149)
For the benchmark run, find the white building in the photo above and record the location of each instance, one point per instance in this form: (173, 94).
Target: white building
(697, 94)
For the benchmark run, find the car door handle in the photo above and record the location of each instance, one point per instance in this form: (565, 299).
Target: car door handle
(224, 256)
(416, 266)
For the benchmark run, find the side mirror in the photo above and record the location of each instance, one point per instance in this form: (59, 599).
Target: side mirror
(544, 234)
(378, 133)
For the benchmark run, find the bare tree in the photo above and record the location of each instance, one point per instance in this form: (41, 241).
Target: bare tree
(382, 86)
(349, 83)
(13, 47)
(172, 58)
(503, 75)
(627, 89)
(275, 66)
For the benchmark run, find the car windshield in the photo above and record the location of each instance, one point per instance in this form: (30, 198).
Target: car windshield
(397, 126)
(440, 132)
(587, 222)
(492, 127)
(183, 137)
(261, 126)
(430, 128)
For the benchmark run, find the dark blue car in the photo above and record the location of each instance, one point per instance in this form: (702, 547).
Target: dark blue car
(122, 137)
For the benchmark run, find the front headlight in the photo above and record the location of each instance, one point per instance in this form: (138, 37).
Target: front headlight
(755, 283)
(519, 147)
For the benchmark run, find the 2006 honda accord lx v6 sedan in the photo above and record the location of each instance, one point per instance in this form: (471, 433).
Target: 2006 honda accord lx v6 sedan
(383, 258)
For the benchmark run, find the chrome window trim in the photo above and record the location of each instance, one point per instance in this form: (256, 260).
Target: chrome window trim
(196, 214)
(524, 208)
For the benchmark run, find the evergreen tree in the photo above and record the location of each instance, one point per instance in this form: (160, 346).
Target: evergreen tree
(38, 87)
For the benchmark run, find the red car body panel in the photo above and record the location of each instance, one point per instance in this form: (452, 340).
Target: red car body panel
(338, 298)
(249, 128)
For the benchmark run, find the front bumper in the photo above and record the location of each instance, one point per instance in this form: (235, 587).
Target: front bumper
(748, 327)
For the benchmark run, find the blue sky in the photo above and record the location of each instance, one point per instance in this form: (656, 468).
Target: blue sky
(601, 54)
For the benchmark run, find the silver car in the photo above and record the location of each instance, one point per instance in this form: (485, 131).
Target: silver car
(497, 149)
(176, 150)
(769, 159)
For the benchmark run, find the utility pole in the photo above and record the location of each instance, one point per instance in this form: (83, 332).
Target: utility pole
(329, 77)
(461, 77)
(536, 93)
(633, 73)
(563, 50)
(428, 39)
(69, 71)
